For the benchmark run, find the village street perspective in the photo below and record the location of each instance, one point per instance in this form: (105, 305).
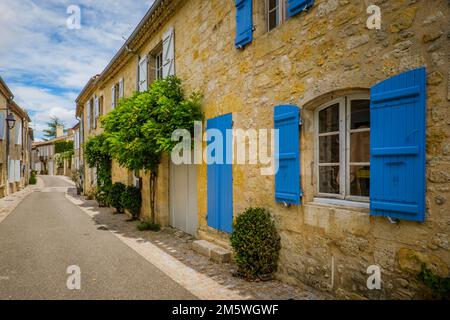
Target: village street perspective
(232, 150)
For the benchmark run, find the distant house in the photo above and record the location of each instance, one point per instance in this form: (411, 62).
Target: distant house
(16, 138)
(45, 159)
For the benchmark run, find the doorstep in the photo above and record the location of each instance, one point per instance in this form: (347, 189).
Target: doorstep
(212, 251)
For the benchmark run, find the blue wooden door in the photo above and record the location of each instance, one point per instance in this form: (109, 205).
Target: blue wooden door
(397, 146)
(220, 177)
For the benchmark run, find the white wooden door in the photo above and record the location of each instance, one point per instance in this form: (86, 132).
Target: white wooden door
(183, 198)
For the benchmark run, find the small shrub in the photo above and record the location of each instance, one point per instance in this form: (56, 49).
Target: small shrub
(33, 179)
(115, 196)
(148, 225)
(90, 194)
(77, 179)
(131, 199)
(256, 243)
(439, 286)
(102, 197)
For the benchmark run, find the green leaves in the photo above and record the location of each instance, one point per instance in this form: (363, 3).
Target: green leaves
(132, 200)
(140, 128)
(115, 196)
(63, 146)
(97, 152)
(439, 286)
(256, 243)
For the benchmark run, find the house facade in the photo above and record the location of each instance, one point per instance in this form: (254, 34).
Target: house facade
(359, 95)
(15, 144)
(45, 158)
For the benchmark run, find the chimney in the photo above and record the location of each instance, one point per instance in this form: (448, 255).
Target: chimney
(59, 131)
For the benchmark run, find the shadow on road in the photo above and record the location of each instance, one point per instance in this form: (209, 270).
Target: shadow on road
(178, 245)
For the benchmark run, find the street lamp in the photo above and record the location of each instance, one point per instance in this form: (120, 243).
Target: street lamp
(11, 120)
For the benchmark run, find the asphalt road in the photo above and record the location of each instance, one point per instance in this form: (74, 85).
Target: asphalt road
(46, 234)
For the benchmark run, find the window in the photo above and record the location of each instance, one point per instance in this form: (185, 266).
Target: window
(155, 64)
(275, 12)
(100, 106)
(91, 114)
(343, 148)
(158, 64)
(116, 94)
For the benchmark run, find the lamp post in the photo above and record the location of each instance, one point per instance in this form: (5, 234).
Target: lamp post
(10, 122)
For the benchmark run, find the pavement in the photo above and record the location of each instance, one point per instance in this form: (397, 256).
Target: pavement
(46, 234)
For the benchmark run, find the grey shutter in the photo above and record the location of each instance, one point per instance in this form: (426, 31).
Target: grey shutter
(169, 53)
(143, 79)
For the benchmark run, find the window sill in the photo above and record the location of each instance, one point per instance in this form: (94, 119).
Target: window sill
(342, 203)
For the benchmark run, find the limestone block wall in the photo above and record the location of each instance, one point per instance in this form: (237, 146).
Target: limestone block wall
(327, 50)
(307, 60)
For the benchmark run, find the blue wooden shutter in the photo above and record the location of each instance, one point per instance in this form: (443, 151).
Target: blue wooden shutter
(297, 6)
(397, 153)
(287, 179)
(212, 185)
(244, 23)
(220, 179)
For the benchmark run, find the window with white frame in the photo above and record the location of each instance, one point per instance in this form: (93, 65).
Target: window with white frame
(159, 65)
(343, 148)
(275, 13)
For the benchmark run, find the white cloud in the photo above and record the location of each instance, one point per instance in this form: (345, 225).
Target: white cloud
(46, 64)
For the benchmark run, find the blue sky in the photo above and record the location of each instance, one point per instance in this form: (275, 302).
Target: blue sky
(46, 64)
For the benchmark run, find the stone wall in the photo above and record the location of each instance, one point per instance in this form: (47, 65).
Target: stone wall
(328, 49)
(307, 60)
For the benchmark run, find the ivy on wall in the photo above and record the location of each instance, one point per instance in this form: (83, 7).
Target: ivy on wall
(63, 146)
(63, 151)
(96, 150)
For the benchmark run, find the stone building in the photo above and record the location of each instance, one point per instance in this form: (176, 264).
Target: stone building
(354, 91)
(15, 141)
(46, 159)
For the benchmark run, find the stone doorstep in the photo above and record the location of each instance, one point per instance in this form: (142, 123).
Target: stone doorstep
(212, 251)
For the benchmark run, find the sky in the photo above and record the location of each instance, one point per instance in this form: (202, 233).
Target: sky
(46, 64)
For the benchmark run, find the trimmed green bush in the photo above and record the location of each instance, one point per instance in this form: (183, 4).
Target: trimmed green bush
(256, 243)
(132, 200)
(115, 196)
(148, 225)
(33, 179)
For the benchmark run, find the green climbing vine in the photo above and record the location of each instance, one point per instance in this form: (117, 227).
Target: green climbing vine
(98, 156)
(140, 128)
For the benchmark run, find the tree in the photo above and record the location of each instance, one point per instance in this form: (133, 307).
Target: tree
(139, 129)
(54, 122)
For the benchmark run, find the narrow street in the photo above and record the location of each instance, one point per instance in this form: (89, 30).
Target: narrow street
(46, 234)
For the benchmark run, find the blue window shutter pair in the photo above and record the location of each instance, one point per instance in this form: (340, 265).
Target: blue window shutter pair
(287, 178)
(397, 152)
(296, 6)
(244, 23)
